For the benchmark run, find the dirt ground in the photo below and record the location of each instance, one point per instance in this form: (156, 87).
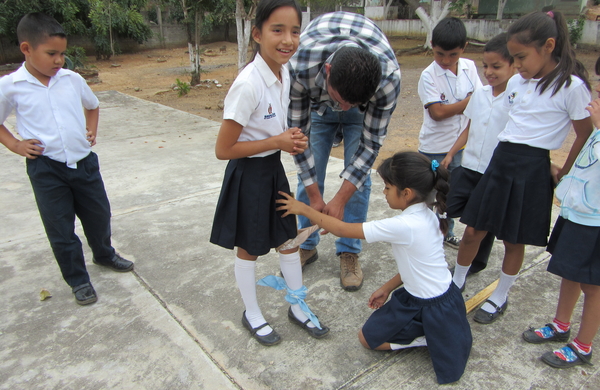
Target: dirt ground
(151, 74)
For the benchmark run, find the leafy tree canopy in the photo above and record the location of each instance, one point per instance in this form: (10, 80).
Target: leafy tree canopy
(97, 19)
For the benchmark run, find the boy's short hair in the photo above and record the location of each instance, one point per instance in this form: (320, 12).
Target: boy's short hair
(36, 27)
(449, 34)
(498, 45)
(355, 74)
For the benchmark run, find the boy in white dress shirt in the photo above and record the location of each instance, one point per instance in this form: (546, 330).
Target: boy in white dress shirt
(445, 87)
(57, 119)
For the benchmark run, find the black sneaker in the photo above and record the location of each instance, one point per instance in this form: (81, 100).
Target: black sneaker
(85, 294)
(452, 242)
(117, 263)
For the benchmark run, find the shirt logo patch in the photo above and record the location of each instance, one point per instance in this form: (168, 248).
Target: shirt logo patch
(511, 97)
(443, 98)
(271, 113)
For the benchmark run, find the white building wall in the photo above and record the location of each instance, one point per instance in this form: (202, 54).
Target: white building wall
(479, 29)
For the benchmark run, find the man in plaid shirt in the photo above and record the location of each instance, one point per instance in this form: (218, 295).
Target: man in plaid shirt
(344, 76)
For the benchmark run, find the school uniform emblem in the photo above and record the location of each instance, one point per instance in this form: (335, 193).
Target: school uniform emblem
(443, 98)
(270, 114)
(511, 97)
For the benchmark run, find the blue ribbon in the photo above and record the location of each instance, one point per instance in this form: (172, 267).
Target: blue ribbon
(292, 296)
(434, 165)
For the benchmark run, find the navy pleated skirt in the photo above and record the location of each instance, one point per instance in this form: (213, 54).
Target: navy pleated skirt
(513, 199)
(575, 252)
(442, 320)
(246, 215)
(462, 183)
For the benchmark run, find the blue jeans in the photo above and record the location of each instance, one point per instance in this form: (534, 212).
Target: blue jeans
(322, 133)
(455, 163)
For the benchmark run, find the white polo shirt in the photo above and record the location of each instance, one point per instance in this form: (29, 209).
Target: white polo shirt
(53, 114)
(417, 246)
(543, 121)
(437, 85)
(488, 115)
(259, 102)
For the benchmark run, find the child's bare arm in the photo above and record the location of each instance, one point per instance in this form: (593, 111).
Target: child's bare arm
(583, 128)
(381, 295)
(458, 145)
(329, 223)
(91, 124)
(439, 111)
(228, 147)
(29, 148)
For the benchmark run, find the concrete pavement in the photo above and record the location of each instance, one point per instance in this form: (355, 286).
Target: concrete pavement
(175, 321)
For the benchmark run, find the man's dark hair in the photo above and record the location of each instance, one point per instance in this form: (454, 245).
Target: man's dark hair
(36, 27)
(355, 74)
(449, 34)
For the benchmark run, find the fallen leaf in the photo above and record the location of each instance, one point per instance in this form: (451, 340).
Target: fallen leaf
(45, 294)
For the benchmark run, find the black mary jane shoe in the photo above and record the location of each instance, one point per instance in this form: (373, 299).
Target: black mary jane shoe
(268, 339)
(85, 294)
(551, 359)
(117, 263)
(314, 332)
(484, 317)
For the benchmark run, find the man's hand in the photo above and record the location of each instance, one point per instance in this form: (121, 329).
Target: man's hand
(335, 207)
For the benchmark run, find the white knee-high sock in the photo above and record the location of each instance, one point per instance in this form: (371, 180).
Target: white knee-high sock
(460, 274)
(500, 294)
(246, 281)
(292, 273)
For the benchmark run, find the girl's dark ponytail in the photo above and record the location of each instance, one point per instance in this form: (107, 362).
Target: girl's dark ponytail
(534, 29)
(414, 170)
(441, 188)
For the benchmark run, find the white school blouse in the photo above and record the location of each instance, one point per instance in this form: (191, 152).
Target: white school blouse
(488, 115)
(53, 115)
(437, 85)
(417, 246)
(543, 121)
(258, 101)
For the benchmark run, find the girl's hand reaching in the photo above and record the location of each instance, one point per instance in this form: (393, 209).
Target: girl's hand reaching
(594, 109)
(290, 205)
(378, 298)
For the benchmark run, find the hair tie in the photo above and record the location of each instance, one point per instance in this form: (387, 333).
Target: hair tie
(551, 14)
(443, 215)
(434, 165)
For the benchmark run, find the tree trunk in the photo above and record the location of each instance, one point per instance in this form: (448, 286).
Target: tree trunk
(161, 33)
(110, 38)
(196, 63)
(386, 8)
(243, 23)
(188, 33)
(501, 4)
(437, 13)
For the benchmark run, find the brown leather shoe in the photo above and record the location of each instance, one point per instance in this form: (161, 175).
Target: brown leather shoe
(308, 256)
(351, 276)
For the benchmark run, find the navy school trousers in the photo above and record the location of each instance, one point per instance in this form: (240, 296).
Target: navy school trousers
(61, 193)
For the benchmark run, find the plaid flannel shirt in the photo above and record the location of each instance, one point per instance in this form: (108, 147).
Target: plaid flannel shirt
(318, 43)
